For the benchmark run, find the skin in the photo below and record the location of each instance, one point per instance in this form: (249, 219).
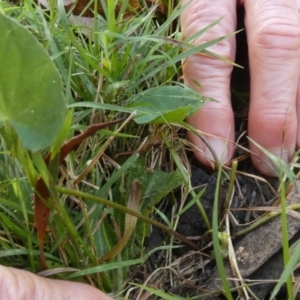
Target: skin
(22, 285)
(273, 31)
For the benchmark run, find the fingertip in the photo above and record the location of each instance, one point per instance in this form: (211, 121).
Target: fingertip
(213, 148)
(83, 291)
(20, 284)
(272, 131)
(270, 162)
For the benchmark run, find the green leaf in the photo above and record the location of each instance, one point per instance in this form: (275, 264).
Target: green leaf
(288, 270)
(31, 98)
(118, 264)
(157, 185)
(161, 294)
(102, 106)
(167, 104)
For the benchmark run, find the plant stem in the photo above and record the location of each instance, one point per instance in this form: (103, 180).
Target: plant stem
(127, 210)
(181, 170)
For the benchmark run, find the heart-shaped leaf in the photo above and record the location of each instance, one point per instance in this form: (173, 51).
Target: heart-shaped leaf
(31, 97)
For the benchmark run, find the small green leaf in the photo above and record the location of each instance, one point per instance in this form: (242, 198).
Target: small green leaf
(157, 185)
(31, 98)
(116, 85)
(167, 104)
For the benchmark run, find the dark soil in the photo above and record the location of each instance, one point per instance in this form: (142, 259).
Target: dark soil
(249, 193)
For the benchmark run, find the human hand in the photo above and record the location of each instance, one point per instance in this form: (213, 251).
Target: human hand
(22, 285)
(273, 34)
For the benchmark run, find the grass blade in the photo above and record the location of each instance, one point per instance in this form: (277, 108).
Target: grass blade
(216, 242)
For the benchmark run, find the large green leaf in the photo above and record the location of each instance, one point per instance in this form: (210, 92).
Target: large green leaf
(167, 104)
(161, 105)
(31, 97)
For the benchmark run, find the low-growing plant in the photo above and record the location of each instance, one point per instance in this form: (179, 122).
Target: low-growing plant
(91, 120)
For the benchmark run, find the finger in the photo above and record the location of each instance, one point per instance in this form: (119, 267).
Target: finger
(19, 284)
(298, 97)
(273, 30)
(298, 114)
(215, 119)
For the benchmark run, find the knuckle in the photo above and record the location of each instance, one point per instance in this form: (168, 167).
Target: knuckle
(278, 33)
(223, 48)
(201, 16)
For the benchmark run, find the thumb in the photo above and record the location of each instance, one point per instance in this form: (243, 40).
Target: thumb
(23, 285)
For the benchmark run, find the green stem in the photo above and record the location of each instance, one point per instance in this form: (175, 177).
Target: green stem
(285, 238)
(127, 210)
(264, 219)
(230, 187)
(216, 241)
(183, 172)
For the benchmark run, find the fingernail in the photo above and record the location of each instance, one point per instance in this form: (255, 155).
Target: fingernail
(220, 147)
(269, 167)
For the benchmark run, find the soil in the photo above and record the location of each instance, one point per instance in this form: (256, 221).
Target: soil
(194, 270)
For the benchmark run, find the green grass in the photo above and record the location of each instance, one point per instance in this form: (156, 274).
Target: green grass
(106, 192)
